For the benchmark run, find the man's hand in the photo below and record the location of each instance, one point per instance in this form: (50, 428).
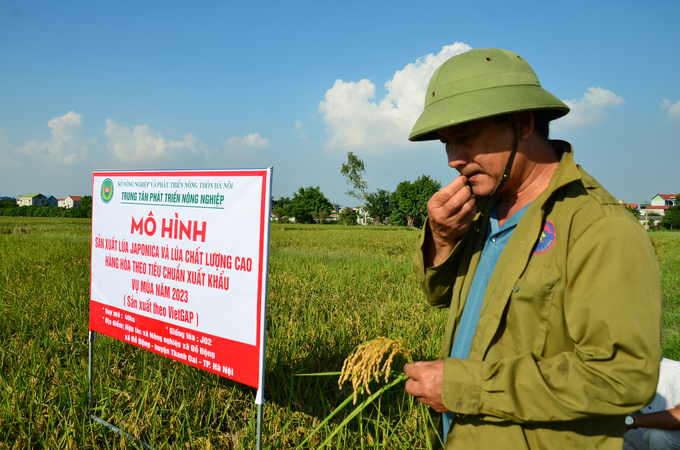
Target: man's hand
(450, 213)
(426, 383)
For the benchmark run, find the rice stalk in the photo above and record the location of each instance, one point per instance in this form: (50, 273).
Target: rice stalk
(364, 364)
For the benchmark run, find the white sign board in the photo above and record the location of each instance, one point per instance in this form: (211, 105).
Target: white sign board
(179, 265)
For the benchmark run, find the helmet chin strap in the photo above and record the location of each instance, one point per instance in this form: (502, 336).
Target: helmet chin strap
(506, 172)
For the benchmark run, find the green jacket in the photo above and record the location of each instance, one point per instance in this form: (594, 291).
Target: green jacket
(568, 340)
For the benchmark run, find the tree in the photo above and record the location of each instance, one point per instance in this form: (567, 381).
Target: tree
(77, 211)
(633, 211)
(677, 200)
(396, 216)
(309, 200)
(86, 201)
(8, 203)
(409, 200)
(320, 216)
(86, 206)
(282, 202)
(378, 205)
(281, 208)
(671, 220)
(348, 216)
(354, 171)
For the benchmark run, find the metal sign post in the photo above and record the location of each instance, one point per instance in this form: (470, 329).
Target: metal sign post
(115, 429)
(99, 420)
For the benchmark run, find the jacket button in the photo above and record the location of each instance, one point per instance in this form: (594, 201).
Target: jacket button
(515, 288)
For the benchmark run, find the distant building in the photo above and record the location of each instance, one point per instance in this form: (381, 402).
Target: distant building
(51, 201)
(655, 210)
(362, 215)
(628, 205)
(70, 202)
(660, 203)
(664, 200)
(651, 213)
(32, 200)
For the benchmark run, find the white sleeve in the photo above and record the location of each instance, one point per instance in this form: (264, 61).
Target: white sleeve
(672, 369)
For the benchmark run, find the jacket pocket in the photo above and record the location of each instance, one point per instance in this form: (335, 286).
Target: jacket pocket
(527, 314)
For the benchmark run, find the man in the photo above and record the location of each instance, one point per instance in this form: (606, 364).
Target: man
(553, 289)
(658, 427)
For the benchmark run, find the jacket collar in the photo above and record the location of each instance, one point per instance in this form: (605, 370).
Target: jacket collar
(519, 248)
(566, 171)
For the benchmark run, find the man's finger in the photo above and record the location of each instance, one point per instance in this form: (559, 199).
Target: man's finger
(413, 370)
(460, 201)
(445, 207)
(408, 369)
(448, 191)
(413, 388)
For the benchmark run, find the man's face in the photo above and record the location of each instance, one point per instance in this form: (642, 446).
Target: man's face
(479, 150)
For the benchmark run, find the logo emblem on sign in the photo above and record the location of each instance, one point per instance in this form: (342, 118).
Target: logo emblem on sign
(546, 239)
(107, 190)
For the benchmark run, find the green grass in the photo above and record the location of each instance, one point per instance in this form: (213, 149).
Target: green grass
(668, 249)
(330, 289)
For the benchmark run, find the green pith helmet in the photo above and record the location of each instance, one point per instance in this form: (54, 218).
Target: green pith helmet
(482, 83)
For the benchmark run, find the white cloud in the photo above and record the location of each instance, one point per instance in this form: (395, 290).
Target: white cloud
(673, 109)
(590, 109)
(251, 141)
(143, 143)
(126, 143)
(354, 121)
(301, 129)
(67, 144)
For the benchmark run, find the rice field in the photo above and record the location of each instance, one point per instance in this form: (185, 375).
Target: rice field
(330, 289)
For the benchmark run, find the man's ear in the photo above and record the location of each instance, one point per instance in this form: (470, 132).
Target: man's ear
(525, 123)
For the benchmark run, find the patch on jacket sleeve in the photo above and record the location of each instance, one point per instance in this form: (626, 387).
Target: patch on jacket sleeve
(547, 238)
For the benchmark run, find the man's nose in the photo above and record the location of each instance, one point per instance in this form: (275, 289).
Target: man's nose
(457, 158)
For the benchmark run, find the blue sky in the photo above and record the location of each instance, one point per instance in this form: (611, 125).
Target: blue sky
(296, 85)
